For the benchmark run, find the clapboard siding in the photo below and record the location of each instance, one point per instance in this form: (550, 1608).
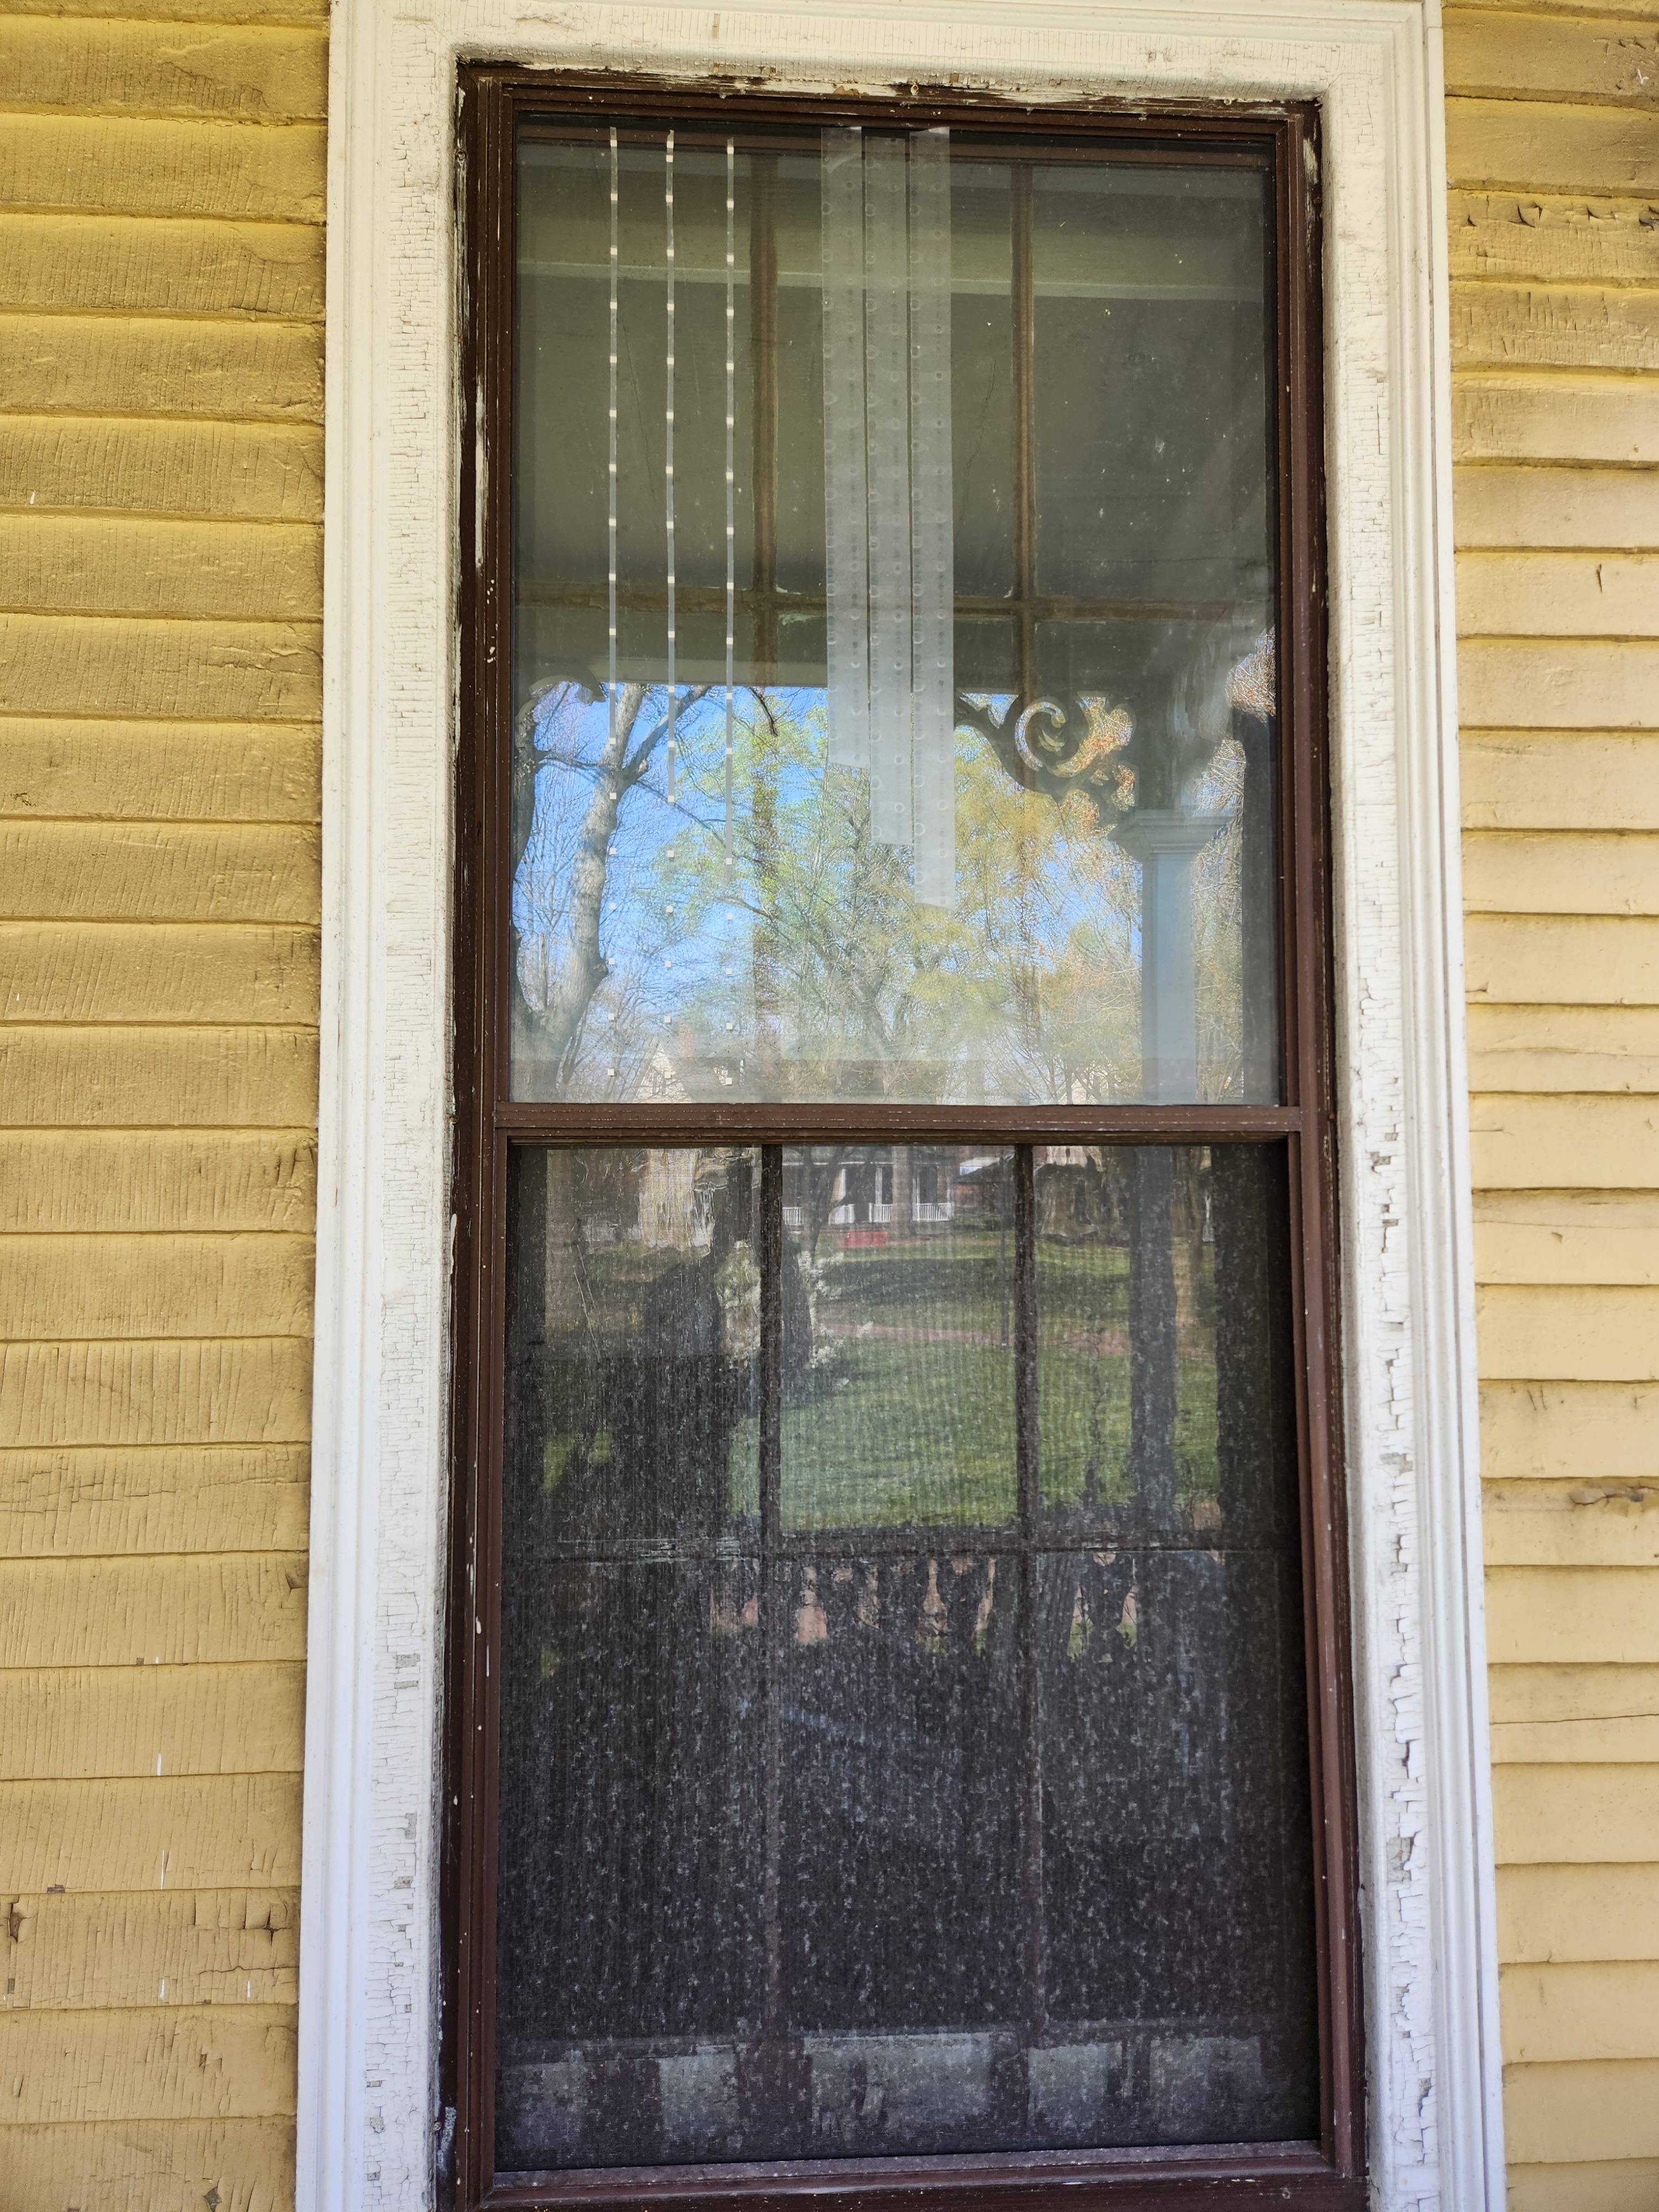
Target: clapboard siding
(1553, 131)
(161, 272)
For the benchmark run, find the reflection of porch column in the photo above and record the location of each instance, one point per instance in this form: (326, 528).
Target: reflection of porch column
(1166, 841)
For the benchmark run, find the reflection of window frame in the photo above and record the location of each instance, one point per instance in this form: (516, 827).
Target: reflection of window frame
(1328, 2172)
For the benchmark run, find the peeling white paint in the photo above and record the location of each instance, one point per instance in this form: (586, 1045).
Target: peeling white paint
(368, 1929)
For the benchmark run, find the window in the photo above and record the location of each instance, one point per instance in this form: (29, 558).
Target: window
(898, 1733)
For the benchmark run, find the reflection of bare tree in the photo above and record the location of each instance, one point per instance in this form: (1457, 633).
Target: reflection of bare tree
(622, 764)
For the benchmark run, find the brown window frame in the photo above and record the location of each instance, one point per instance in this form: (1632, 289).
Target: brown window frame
(1326, 2175)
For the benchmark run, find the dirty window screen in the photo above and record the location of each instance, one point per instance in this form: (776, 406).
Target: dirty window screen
(894, 660)
(900, 1721)
(902, 1718)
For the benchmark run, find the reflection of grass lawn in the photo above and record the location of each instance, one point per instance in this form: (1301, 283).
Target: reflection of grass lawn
(920, 1429)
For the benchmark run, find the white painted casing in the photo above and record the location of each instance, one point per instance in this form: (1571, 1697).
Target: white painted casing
(367, 2111)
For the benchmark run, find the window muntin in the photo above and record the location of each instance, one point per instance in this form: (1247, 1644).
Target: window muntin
(937, 762)
(903, 1739)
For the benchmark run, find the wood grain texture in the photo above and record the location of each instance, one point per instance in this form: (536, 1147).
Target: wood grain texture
(154, 2166)
(109, 165)
(1600, 2109)
(118, 665)
(1554, 326)
(100, 1500)
(1572, 1816)
(78, 972)
(1529, 507)
(108, 564)
(215, 1391)
(1555, 418)
(62, 1180)
(68, 1723)
(1560, 1432)
(1581, 1335)
(1573, 1616)
(106, 365)
(1534, 146)
(1560, 960)
(253, 72)
(1517, 780)
(235, 1077)
(133, 265)
(1609, 2185)
(1602, 2009)
(261, 471)
(1525, 53)
(1582, 595)
(211, 2063)
(1551, 1913)
(192, 1832)
(231, 1947)
(1562, 872)
(1560, 683)
(160, 771)
(1594, 1235)
(151, 1612)
(1568, 1049)
(1552, 238)
(1587, 1524)
(159, 871)
(87, 1288)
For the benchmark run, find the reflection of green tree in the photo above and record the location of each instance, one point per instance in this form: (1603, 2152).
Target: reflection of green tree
(1028, 985)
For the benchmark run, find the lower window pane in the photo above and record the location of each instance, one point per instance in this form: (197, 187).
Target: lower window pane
(877, 1779)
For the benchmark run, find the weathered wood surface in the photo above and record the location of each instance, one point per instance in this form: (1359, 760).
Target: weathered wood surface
(254, 472)
(1555, 326)
(137, 1613)
(1595, 1236)
(1567, 417)
(229, 1947)
(1564, 1049)
(1553, 238)
(1539, 1332)
(1607, 509)
(61, 1287)
(223, 1179)
(1561, 872)
(138, 164)
(1587, 960)
(122, 665)
(162, 771)
(1537, 595)
(62, 1724)
(1550, 1913)
(126, 1499)
(1522, 779)
(1537, 147)
(1568, 1431)
(87, 364)
(138, 2165)
(183, 1833)
(1609, 2185)
(111, 565)
(1560, 682)
(159, 871)
(207, 1391)
(1606, 2010)
(75, 972)
(1587, 1524)
(134, 265)
(256, 72)
(212, 2062)
(1607, 2109)
(1555, 1815)
(142, 1078)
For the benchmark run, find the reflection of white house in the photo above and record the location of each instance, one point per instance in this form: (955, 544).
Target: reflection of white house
(881, 1185)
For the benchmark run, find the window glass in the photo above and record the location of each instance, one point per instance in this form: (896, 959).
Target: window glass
(902, 1742)
(895, 690)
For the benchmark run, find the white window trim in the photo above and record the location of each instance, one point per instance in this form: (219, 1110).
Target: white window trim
(380, 1514)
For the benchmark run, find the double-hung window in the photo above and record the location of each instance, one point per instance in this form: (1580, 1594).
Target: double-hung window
(898, 1738)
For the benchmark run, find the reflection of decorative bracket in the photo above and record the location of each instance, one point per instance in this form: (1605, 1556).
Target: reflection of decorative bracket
(1040, 745)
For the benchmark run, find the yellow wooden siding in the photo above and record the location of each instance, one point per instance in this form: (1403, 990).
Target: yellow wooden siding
(1553, 145)
(161, 180)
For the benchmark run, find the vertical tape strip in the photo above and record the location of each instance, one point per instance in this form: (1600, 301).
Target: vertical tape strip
(933, 565)
(730, 468)
(846, 522)
(611, 479)
(668, 448)
(887, 419)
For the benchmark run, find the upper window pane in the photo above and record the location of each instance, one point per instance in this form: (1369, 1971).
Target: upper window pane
(896, 706)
